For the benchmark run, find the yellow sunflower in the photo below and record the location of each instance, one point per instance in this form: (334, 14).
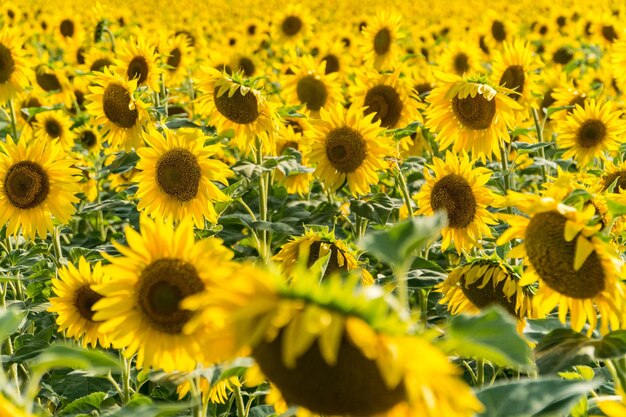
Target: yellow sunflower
(89, 138)
(483, 282)
(566, 94)
(214, 392)
(618, 62)
(460, 190)
(459, 57)
(234, 103)
(137, 59)
(8, 409)
(177, 174)
(73, 302)
(470, 114)
(177, 54)
(316, 244)
(13, 66)
(53, 125)
(291, 135)
(380, 40)
(53, 84)
(347, 146)
(311, 87)
(140, 308)
(591, 131)
(388, 97)
(37, 183)
(291, 26)
(577, 271)
(114, 106)
(97, 59)
(320, 342)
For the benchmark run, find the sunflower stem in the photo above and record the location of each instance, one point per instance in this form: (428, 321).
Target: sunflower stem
(404, 189)
(263, 197)
(56, 243)
(480, 372)
(111, 37)
(13, 120)
(126, 381)
(198, 407)
(423, 299)
(504, 161)
(241, 410)
(542, 152)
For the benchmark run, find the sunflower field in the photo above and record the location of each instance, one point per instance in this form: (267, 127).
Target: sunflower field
(341, 208)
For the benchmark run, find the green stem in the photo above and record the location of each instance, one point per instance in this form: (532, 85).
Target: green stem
(404, 189)
(263, 197)
(126, 381)
(539, 128)
(13, 120)
(56, 243)
(480, 372)
(403, 288)
(241, 411)
(505, 167)
(247, 208)
(423, 299)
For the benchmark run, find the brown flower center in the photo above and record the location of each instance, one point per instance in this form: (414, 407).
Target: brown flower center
(84, 300)
(333, 262)
(88, 139)
(563, 55)
(332, 63)
(461, 63)
(384, 101)
(53, 128)
(453, 194)
(620, 176)
(174, 59)
(161, 287)
(178, 174)
(26, 185)
(498, 31)
(345, 149)
(7, 64)
(138, 68)
(609, 33)
(475, 112)
(591, 133)
(247, 66)
(237, 108)
(100, 64)
(513, 78)
(67, 28)
(553, 258)
(291, 25)
(382, 41)
(116, 102)
(312, 92)
(47, 81)
(490, 294)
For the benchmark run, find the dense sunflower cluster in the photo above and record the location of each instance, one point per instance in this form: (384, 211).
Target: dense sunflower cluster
(193, 185)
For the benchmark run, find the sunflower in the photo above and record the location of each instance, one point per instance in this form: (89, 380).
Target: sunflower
(137, 59)
(89, 138)
(577, 271)
(317, 343)
(461, 192)
(515, 68)
(7, 408)
(13, 65)
(459, 57)
(114, 106)
(140, 308)
(618, 62)
(291, 135)
(53, 84)
(74, 299)
(291, 26)
(177, 55)
(37, 182)
(613, 173)
(177, 174)
(234, 103)
(483, 282)
(347, 146)
(416, 144)
(591, 131)
(214, 392)
(53, 125)
(311, 87)
(316, 244)
(471, 114)
(380, 38)
(388, 97)
(567, 95)
(98, 59)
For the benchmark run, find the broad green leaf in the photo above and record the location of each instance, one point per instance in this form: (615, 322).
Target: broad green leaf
(533, 398)
(490, 335)
(85, 404)
(377, 208)
(10, 319)
(396, 244)
(68, 356)
(615, 209)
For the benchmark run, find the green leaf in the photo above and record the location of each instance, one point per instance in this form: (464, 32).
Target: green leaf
(68, 356)
(523, 147)
(10, 320)
(533, 398)
(563, 348)
(616, 209)
(490, 335)
(377, 208)
(85, 404)
(273, 227)
(396, 244)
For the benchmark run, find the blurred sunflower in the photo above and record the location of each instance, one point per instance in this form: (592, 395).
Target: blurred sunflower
(234, 103)
(13, 64)
(177, 174)
(8, 409)
(459, 57)
(137, 59)
(380, 40)
(618, 62)
(483, 282)
(311, 86)
(291, 135)
(320, 342)
(73, 302)
(214, 392)
(97, 59)
(316, 244)
(88, 137)
(577, 271)
(53, 84)
(460, 190)
(567, 95)
(37, 183)
(388, 97)
(591, 131)
(291, 26)
(470, 114)
(140, 308)
(114, 106)
(177, 55)
(347, 146)
(53, 125)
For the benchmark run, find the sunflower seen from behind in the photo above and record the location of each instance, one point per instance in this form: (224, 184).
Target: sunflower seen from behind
(114, 105)
(471, 115)
(460, 190)
(591, 131)
(177, 175)
(577, 271)
(348, 147)
(140, 308)
(13, 64)
(318, 343)
(74, 301)
(38, 183)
